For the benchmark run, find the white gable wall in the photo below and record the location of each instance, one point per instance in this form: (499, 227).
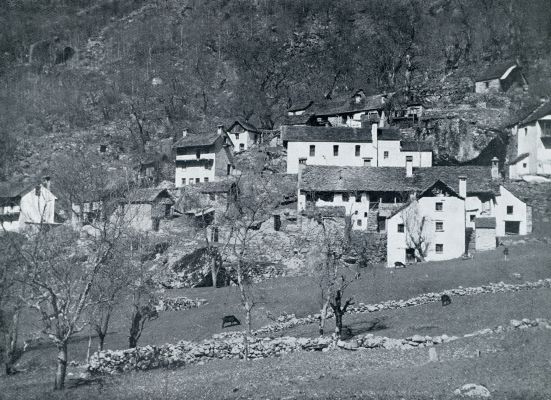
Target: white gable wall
(452, 237)
(520, 214)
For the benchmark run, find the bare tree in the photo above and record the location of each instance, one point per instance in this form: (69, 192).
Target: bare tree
(418, 233)
(330, 246)
(257, 196)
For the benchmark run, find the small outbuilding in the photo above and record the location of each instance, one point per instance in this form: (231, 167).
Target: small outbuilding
(485, 233)
(499, 78)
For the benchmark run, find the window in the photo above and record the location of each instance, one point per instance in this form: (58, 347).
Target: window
(509, 210)
(439, 206)
(37, 191)
(336, 150)
(197, 180)
(439, 248)
(345, 197)
(102, 148)
(439, 226)
(241, 146)
(302, 161)
(206, 179)
(312, 150)
(356, 212)
(545, 128)
(183, 181)
(385, 155)
(525, 131)
(357, 150)
(212, 196)
(524, 165)
(198, 154)
(358, 197)
(472, 218)
(359, 222)
(228, 169)
(237, 136)
(328, 197)
(365, 214)
(486, 84)
(401, 228)
(367, 162)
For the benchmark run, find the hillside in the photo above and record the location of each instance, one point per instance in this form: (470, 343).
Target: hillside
(139, 70)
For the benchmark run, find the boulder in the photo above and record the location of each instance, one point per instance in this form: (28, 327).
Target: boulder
(473, 390)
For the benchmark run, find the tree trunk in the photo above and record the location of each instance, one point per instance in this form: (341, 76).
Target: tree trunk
(101, 341)
(323, 317)
(338, 313)
(61, 370)
(12, 352)
(214, 271)
(134, 329)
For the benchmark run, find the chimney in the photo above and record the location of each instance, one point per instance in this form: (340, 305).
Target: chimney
(184, 133)
(46, 181)
(495, 168)
(463, 186)
(409, 166)
(374, 138)
(220, 129)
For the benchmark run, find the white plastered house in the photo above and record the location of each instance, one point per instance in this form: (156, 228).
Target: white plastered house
(24, 203)
(532, 136)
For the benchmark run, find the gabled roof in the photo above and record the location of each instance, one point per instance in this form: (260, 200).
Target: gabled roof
(438, 182)
(146, 195)
(244, 124)
(198, 140)
(325, 134)
(302, 119)
(546, 142)
(497, 71)
(518, 158)
(538, 113)
(414, 145)
(318, 178)
(347, 104)
(15, 189)
(388, 134)
(300, 105)
(485, 223)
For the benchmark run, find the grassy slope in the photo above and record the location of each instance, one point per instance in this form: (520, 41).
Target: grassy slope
(383, 374)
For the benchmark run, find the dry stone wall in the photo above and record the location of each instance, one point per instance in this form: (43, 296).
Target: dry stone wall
(186, 353)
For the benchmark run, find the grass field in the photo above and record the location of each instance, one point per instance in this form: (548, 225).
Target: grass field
(300, 296)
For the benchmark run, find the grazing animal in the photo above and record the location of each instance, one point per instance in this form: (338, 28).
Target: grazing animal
(230, 320)
(399, 264)
(446, 300)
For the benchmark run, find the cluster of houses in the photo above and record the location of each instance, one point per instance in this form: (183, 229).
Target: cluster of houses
(345, 160)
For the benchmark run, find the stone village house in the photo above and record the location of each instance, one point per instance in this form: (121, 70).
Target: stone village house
(203, 157)
(499, 78)
(243, 135)
(345, 146)
(26, 203)
(371, 196)
(533, 143)
(144, 209)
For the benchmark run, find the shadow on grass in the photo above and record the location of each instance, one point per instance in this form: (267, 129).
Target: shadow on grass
(359, 328)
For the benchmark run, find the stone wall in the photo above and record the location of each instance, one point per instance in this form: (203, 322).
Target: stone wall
(186, 353)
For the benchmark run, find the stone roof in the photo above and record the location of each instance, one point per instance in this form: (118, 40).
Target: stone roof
(388, 134)
(145, 195)
(15, 189)
(414, 145)
(197, 139)
(318, 178)
(244, 124)
(495, 71)
(300, 105)
(485, 223)
(536, 114)
(518, 158)
(325, 134)
(214, 187)
(302, 119)
(546, 142)
(347, 104)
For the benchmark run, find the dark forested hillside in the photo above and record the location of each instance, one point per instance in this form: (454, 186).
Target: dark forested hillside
(143, 69)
